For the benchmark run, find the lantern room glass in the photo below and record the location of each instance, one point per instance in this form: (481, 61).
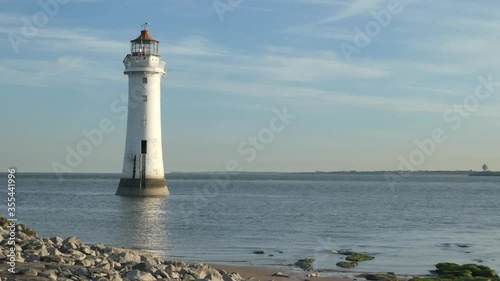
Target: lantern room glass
(144, 48)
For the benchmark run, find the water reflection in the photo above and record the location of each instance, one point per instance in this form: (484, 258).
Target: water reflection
(147, 224)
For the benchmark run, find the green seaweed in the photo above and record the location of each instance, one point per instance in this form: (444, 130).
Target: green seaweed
(359, 257)
(452, 279)
(306, 264)
(345, 252)
(347, 264)
(467, 271)
(380, 277)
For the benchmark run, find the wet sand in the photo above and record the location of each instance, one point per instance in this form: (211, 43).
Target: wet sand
(265, 273)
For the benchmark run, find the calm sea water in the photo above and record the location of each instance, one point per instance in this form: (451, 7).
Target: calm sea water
(425, 220)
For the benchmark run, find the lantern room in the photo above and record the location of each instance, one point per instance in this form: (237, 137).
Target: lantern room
(145, 44)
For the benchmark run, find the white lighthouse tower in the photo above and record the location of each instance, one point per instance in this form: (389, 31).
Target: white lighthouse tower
(143, 173)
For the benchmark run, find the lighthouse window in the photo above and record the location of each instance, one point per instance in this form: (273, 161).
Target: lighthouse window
(145, 80)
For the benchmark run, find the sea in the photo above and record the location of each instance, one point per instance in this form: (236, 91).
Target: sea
(408, 226)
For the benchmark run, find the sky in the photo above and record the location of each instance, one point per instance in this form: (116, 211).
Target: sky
(350, 84)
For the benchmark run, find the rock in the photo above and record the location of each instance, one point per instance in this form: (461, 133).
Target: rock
(149, 259)
(115, 277)
(57, 241)
(86, 262)
(174, 275)
(104, 266)
(52, 258)
(313, 274)
(188, 277)
(86, 250)
(29, 272)
(163, 274)
(77, 255)
(30, 232)
(171, 268)
(51, 266)
(73, 239)
(23, 236)
(53, 251)
(347, 264)
(280, 274)
(100, 272)
(221, 271)
(81, 271)
(158, 260)
(140, 276)
(66, 273)
(19, 227)
(115, 265)
(43, 251)
(98, 247)
(143, 266)
(234, 276)
(47, 242)
(305, 264)
(68, 260)
(214, 276)
(29, 258)
(51, 274)
(125, 257)
(197, 272)
(68, 247)
(4, 223)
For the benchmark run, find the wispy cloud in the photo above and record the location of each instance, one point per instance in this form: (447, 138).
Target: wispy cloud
(353, 8)
(194, 46)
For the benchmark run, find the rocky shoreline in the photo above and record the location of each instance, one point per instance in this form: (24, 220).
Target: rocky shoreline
(30, 257)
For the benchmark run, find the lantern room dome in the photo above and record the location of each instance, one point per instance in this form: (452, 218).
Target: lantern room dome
(145, 36)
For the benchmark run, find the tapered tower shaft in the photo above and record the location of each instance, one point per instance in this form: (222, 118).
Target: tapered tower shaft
(143, 173)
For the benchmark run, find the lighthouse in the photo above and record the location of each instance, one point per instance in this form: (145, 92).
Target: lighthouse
(143, 174)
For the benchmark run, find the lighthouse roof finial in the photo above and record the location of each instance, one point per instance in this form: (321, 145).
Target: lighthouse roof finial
(145, 36)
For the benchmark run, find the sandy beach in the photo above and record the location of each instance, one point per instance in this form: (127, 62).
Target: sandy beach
(266, 273)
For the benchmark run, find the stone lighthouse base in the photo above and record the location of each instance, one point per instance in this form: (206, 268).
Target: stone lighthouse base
(153, 188)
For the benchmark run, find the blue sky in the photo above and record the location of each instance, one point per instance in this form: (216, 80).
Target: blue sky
(227, 74)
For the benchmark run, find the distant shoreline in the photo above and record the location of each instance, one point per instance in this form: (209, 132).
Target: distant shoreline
(174, 174)
(485, 174)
